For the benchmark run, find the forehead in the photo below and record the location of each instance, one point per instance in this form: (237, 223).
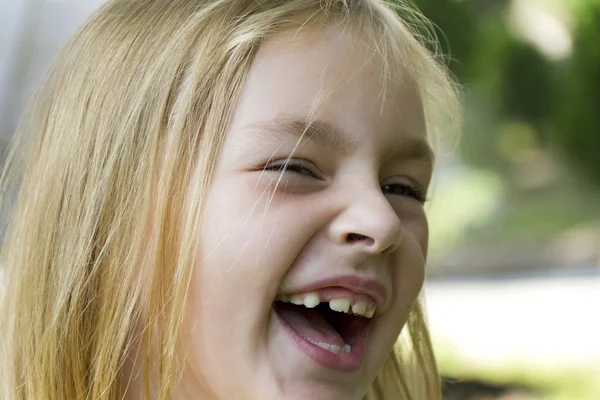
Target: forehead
(338, 75)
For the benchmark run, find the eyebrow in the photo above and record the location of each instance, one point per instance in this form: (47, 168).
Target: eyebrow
(328, 135)
(320, 132)
(415, 149)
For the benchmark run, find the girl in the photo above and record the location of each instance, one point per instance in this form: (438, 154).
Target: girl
(223, 199)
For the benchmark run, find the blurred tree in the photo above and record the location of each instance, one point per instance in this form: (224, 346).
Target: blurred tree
(527, 84)
(456, 27)
(576, 117)
(508, 82)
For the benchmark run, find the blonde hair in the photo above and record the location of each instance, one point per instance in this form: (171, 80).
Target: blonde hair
(109, 171)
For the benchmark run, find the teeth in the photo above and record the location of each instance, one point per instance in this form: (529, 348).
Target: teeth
(340, 305)
(311, 300)
(322, 345)
(359, 308)
(332, 347)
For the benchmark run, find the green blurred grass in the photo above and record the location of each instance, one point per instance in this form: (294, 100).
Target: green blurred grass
(476, 206)
(549, 383)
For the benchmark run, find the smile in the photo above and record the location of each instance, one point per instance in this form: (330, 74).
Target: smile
(329, 325)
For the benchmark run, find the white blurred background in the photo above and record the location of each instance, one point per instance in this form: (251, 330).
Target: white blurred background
(31, 33)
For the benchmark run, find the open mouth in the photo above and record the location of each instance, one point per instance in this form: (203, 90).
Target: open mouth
(330, 327)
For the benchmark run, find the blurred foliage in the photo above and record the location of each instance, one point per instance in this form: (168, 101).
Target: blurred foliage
(528, 156)
(466, 204)
(544, 383)
(509, 82)
(578, 108)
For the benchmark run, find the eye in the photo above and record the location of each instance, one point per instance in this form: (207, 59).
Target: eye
(403, 189)
(298, 167)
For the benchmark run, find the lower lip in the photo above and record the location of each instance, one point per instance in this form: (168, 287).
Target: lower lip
(347, 362)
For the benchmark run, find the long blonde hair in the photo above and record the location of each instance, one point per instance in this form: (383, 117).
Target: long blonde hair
(105, 182)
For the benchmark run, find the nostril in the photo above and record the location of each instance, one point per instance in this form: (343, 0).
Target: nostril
(355, 237)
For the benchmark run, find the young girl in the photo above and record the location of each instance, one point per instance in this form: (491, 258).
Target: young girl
(223, 199)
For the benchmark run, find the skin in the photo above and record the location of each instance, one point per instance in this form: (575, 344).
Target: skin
(261, 238)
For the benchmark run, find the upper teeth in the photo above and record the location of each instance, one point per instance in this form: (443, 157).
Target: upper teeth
(311, 300)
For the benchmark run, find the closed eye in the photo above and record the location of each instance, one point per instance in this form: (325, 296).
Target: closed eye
(403, 189)
(295, 167)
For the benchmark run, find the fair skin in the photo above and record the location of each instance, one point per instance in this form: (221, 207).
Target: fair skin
(345, 222)
(353, 210)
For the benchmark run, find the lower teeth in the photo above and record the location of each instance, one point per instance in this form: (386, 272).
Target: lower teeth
(332, 347)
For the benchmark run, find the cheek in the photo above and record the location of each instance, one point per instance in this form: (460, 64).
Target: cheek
(416, 225)
(411, 259)
(250, 235)
(422, 235)
(409, 278)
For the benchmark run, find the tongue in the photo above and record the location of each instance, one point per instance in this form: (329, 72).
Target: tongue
(309, 323)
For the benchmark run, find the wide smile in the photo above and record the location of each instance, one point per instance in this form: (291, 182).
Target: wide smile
(330, 325)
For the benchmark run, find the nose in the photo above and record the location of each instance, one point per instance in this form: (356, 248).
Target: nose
(368, 223)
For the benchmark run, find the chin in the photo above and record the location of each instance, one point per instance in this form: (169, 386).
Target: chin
(321, 391)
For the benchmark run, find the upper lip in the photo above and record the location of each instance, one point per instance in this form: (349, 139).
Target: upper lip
(355, 283)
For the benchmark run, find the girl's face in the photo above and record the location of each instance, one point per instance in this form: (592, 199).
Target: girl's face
(342, 227)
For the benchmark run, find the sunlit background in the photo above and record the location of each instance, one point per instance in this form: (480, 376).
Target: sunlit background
(513, 295)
